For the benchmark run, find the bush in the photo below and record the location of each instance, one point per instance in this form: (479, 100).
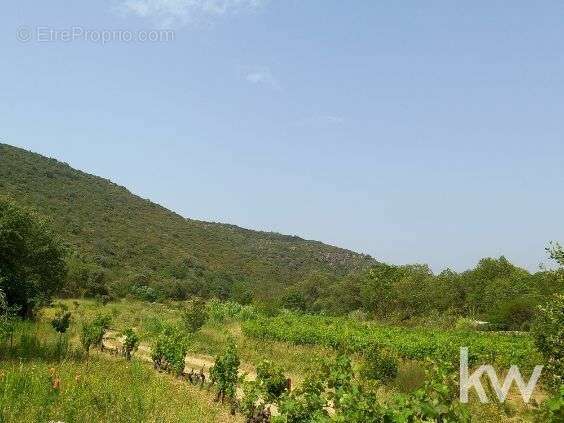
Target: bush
(61, 322)
(224, 373)
(307, 403)
(272, 380)
(195, 316)
(517, 314)
(552, 410)
(93, 332)
(169, 351)
(144, 293)
(379, 364)
(8, 319)
(130, 343)
(548, 332)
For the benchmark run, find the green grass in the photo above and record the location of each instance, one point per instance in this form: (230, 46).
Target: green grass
(211, 340)
(101, 390)
(293, 357)
(44, 378)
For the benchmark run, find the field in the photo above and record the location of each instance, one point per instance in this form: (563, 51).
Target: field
(43, 379)
(414, 344)
(296, 343)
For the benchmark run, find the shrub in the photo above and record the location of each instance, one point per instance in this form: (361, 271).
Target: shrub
(195, 316)
(548, 332)
(144, 293)
(379, 364)
(224, 373)
(517, 314)
(130, 343)
(307, 403)
(169, 350)
(552, 410)
(272, 380)
(437, 401)
(8, 319)
(61, 322)
(93, 332)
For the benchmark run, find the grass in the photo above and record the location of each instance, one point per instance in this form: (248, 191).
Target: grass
(212, 339)
(44, 378)
(101, 390)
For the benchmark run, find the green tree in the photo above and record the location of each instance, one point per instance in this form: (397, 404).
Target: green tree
(8, 319)
(32, 258)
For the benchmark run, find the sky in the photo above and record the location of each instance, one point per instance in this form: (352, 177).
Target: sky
(416, 132)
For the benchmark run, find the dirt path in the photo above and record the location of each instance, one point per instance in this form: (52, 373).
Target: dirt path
(113, 341)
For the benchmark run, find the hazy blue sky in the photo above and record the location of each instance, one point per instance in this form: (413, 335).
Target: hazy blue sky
(415, 131)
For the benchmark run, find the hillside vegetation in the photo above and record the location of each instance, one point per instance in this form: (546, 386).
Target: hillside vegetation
(119, 236)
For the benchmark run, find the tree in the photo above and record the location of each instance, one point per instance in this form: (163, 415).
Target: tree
(61, 323)
(556, 253)
(8, 318)
(32, 265)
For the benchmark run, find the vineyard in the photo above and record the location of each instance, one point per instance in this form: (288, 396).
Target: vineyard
(356, 384)
(417, 344)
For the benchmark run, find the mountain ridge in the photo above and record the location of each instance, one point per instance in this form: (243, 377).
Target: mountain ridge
(125, 233)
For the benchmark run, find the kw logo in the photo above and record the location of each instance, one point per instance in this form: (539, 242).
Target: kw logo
(468, 381)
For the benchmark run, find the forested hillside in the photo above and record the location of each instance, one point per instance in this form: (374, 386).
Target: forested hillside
(122, 240)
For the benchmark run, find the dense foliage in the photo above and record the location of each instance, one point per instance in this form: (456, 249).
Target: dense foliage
(495, 290)
(336, 386)
(548, 332)
(130, 342)
(195, 315)
(169, 350)
(61, 321)
(32, 266)
(120, 237)
(92, 333)
(379, 364)
(411, 343)
(8, 319)
(225, 373)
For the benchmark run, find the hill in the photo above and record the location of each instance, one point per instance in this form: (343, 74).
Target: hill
(127, 236)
